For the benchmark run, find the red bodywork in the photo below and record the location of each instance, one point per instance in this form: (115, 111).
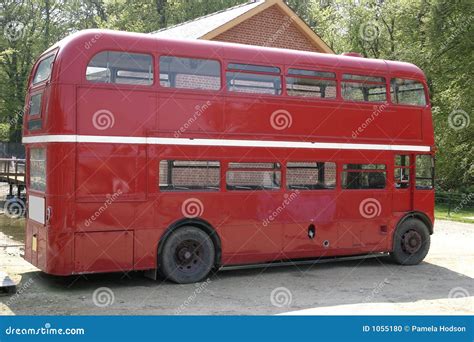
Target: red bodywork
(82, 176)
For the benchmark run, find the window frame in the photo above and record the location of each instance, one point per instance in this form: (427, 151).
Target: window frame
(173, 89)
(220, 168)
(280, 168)
(397, 168)
(422, 82)
(28, 167)
(433, 172)
(126, 85)
(342, 80)
(33, 73)
(335, 79)
(236, 93)
(286, 186)
(344, 168)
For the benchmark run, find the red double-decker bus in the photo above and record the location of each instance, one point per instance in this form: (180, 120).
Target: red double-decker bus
(186, 156)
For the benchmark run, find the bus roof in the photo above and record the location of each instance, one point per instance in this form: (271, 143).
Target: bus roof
(86, 43)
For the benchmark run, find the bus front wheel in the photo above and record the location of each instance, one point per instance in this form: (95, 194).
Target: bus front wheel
(411, 242)
(187, 256)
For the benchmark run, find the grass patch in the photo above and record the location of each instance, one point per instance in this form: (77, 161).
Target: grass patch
(441, 212)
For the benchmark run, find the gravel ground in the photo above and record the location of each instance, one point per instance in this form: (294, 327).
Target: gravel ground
(442, 284)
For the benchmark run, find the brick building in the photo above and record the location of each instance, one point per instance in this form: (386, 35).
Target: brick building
(259, 22)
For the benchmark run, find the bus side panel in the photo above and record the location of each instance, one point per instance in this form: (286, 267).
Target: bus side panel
(103, 251)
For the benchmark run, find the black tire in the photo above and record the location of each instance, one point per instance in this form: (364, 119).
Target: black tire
(411, 242)
(187, 255)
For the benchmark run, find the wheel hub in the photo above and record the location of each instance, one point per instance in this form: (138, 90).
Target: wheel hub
(187, 254)
(411, 241)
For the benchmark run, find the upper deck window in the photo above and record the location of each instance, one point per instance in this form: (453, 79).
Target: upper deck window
(44, 70)
(311, 83)
(255, 79)
(190, 73)
(363, 88)
(121, 67)
(408, 92)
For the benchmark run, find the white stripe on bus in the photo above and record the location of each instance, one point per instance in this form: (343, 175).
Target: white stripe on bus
(217, 142)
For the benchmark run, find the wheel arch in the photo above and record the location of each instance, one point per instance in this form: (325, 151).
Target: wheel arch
(418, 215)
(198, 223)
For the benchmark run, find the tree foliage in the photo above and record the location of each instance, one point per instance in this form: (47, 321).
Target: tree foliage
(433, 34)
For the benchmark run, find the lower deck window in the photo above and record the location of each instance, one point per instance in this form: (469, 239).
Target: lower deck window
(310, 175)
(424, 172)
(364, 176)
(402, 171)
(253, 176)
(181, 175)
(38, 169)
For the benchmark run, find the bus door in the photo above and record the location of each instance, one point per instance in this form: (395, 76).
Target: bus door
(363, 207)
(403, 187)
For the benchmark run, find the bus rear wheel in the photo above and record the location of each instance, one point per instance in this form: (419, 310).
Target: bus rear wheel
(411, 242)
(187, 255)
